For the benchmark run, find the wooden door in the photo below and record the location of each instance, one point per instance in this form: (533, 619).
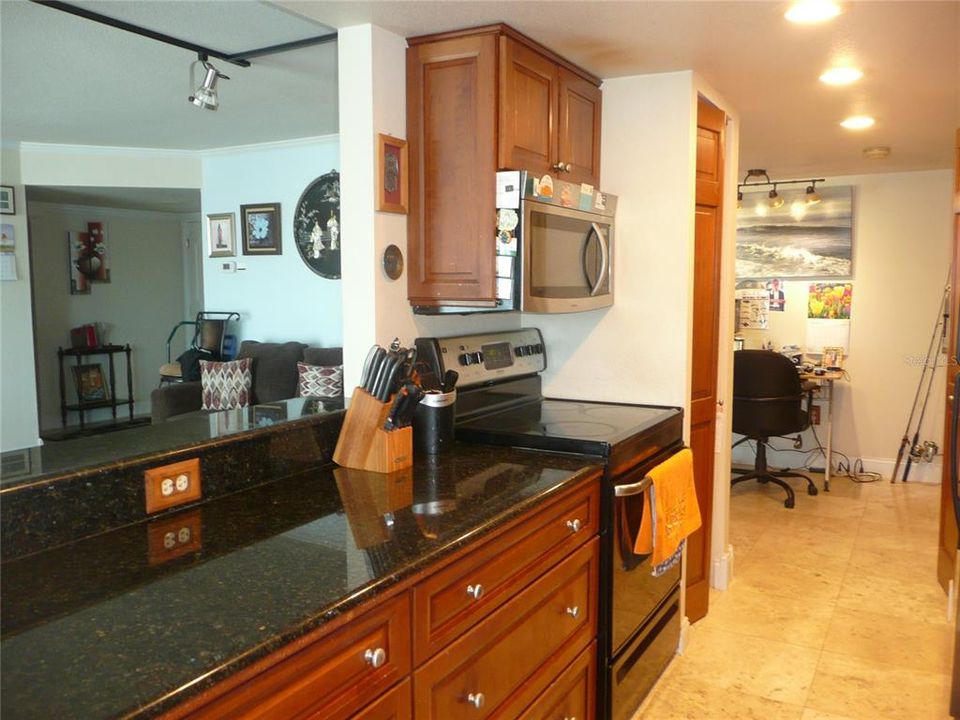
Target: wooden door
(451, 124)
(706, 330)
(528, 106)
(579, 128)
(947, 555)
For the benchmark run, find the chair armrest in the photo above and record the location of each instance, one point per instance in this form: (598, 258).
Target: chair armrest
(175, 399)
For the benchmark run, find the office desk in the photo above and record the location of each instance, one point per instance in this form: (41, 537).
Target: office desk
(821, 381)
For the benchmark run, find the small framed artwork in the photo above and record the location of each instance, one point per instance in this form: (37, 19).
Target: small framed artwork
(8, 203)
(89, 382)
(391, 174)
(261, 229)
(221, 238)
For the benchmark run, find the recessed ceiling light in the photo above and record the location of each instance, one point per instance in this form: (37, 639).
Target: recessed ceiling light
(858, 122)
(877, 152)
(841, 76)
(807, 12)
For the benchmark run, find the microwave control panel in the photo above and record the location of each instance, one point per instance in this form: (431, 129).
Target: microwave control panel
(483, 358)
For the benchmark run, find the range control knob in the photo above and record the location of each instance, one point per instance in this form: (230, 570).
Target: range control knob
(520, 350)
(466, 359)
(478, 357)
(531, 350)
(538, 348)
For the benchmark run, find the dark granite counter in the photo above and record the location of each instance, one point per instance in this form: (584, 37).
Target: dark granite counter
(117, 625)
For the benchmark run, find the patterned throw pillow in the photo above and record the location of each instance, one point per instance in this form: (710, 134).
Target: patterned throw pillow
(320, 380)
(226, 385)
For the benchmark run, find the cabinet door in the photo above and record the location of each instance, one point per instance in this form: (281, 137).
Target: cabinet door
(451, 121)
(528, 106)
(579, 128)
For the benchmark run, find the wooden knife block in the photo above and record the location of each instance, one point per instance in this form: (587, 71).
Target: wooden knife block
(364, 444)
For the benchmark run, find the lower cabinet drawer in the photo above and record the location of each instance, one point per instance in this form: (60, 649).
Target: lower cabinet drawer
(392, 705)
(331, 678)
(572, 695)
(500, 666)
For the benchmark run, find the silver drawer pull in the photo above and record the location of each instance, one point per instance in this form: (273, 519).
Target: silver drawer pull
(375, 658)
(573, 612)
(574, 525)
(569, 717)
(476, 699)
(475, 591)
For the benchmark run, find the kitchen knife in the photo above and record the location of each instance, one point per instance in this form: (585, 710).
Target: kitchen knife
(414, 395)
(385, 388)
(375, 367)
(429, 363)
(398, 403)
(368, 366)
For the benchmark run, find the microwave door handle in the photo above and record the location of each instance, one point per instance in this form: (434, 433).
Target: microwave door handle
(591, 285)
(604, 258)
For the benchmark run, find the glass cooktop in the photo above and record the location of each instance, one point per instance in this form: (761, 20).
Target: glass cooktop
(565, 425)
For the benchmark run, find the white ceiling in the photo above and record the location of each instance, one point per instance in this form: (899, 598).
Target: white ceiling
(66, 79)
(96, 85)
(765, 67)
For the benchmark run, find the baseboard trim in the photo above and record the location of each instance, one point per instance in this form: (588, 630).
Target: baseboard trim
(921, 472)
(722, 570)
(684, 635)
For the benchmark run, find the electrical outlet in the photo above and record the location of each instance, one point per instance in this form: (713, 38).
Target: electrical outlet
(173, 537)
(815, 414)
(171, 485)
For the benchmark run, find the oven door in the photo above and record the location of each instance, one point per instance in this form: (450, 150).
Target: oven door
(567, 259)
(636, 593)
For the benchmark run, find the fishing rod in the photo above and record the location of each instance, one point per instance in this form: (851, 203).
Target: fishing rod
(916, 451)
(905, 441)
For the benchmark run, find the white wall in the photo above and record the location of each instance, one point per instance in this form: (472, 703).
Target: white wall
(902, 236)
(18, 401)
(372, 67)
(140, 305)
(92, 166)
(638, 350)
(278, 296)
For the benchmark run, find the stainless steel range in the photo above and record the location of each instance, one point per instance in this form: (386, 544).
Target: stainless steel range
(500, 402)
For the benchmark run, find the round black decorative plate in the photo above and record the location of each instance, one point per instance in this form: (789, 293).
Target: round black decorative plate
(316, 225)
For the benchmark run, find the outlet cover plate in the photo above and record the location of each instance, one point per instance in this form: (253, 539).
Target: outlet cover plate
(172, 477)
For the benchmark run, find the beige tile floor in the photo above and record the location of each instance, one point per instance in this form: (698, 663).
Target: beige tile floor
(834, 612)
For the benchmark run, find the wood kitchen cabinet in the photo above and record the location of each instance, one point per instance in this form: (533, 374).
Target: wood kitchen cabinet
(505, 627)
(478, 101)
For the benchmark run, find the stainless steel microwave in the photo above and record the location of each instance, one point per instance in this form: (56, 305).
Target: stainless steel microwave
(555, 244)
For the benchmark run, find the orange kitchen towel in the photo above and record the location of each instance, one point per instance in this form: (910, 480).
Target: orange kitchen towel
(676, 514)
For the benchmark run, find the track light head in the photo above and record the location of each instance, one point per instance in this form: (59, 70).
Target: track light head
(739, 199)
(206, 95)
(812, 197)
(774, 200)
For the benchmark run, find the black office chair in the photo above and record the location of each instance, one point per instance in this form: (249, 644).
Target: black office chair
(209, 336)
(767, 399)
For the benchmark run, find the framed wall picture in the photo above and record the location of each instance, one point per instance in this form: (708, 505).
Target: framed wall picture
(261, 229)
(89, 383)
(8, 202)
(391, 174)
(221, 236)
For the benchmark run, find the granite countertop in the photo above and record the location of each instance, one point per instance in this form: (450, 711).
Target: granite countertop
(101, 628)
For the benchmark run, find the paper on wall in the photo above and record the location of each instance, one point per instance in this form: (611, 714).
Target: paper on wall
(8, 266)
(754, 306)
(827, 333)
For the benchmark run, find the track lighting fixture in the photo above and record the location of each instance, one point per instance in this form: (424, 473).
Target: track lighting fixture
(774, 198)
(206, 95)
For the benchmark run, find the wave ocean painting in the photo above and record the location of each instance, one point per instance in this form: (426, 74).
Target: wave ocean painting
(796, 240)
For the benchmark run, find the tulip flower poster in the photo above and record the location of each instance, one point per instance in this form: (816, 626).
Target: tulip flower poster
(828, 315)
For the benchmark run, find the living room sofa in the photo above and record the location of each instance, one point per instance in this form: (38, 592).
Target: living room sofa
(274, 374)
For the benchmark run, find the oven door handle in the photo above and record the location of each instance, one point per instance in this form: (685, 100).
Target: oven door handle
(633, 488)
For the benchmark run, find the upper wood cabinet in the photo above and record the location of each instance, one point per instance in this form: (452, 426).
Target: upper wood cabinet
(480, 100)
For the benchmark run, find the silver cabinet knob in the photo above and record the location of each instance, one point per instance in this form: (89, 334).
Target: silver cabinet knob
(573, 612)
(557, 166)
(475, 591)
(569, 717)
(567, 167)
(476, 699)
(574, 525)
(375, 658)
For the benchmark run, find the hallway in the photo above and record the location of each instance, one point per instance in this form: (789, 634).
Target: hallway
(834, 612)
